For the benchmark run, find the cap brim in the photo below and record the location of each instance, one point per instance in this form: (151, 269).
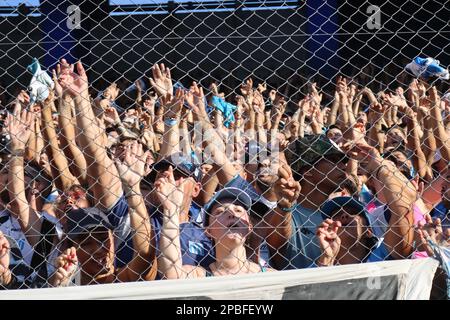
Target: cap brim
(85, 230)
(231, 194)
(330, 207)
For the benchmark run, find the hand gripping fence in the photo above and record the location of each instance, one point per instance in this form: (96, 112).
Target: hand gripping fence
(151, 140)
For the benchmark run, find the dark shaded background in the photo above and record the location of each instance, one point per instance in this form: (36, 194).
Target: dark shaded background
(287, 48)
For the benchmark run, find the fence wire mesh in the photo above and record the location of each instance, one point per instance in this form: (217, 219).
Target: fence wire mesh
(148, 140)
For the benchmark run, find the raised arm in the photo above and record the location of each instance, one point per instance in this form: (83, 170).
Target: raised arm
(59, 164)
(170, 264)
(101, 170)
(68, 133)
(376, 135)
(131, 166)
(18, 127)
(215, 147)
(442, 138)
(279, 220)
(172, 116)
(399, 194)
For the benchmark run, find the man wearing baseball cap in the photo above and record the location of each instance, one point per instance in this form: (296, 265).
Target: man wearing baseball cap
(91, 249)
(345, 235)
(320, 166)
(196, 247)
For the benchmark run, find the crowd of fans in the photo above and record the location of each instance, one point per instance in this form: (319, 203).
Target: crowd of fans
(186, 182)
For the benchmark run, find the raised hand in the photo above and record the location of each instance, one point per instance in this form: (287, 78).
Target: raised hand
(431, 230)
(395, 100)
(247, 87)
(195, 98)
(361, 151)
(376, 112)
(434, 97)
(262, 87)
(111, 92)
(272, 95)
(329, 241)
(286, 188)
(316, 97)
(131, 164)
(173, 105)
(149, 104)
(162, 81)
(19, 127)
(214, 89)
(22, 100)
(169, 191)
(66, 265)
(74, 84)
(110, 116)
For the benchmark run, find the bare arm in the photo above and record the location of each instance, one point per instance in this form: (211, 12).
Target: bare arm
(170, 264)
(442, 139)
(279, 220)
(131, 168)
(68, 138)
(18, 127)
(375, 135)
(400, 195)
(103, 174)
(171, 136)
(59, 164)
(414, 144)
(215, 147)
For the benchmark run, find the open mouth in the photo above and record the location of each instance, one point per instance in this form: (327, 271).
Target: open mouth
(235, 224)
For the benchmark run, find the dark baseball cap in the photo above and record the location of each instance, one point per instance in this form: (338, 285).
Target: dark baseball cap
(234, 195)
(332, 206)
(84, 220)
(183, 163)
(309, 150)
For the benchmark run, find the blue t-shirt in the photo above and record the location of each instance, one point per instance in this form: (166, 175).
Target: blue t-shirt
(196, 247)
(443, 213)
(303, 249)
(378, 253)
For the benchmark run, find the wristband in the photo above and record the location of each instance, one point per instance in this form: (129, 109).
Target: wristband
(288, 209)
(170, 122)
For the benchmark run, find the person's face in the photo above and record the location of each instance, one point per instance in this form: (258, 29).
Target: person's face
(329, 173)
(354, 227)
(362, 118)
(120, 148)
(335, 135)
(95, 252)
(71, 200)
(33, 187)
(229, 224)
(394, 138)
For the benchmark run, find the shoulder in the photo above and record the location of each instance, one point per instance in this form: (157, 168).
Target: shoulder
(194, 271)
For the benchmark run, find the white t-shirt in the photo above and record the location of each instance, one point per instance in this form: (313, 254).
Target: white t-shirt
(11, 227)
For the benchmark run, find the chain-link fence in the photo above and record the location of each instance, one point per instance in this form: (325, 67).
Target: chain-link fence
(150, 140)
